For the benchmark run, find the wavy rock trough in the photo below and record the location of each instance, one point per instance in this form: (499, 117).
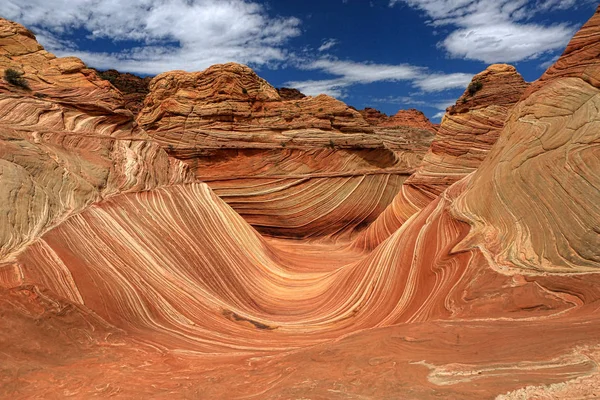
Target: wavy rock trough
(308, 167)
(123, 274)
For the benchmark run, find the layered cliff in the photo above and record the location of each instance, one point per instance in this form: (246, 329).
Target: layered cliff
(549, 145)
(65, 141)
(468, 131)
(292, 168)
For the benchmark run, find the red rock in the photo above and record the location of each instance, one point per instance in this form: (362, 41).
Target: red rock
(373, 116)
(467, 133)
(152, 285)
(413, 118)
(65, 143)
(298, 168)
(134, 88)
(290, 94)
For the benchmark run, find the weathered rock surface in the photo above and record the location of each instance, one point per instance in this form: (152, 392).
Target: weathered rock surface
(133, 88)
(404, 118)
(467, 133)
(541, 180)
(65, 143)
(490, 290)
(294, 168)
(290, 94)
(411, 118)
(373, 116)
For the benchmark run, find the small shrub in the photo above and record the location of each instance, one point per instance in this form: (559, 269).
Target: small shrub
(330, 145)
(320, 110)
(107, 77)
(40, 95)
(283, 144)
(474, 87)
(15, 78)
(244, 90)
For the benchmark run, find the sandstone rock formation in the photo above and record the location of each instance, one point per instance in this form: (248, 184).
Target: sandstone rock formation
(404, 118)
(550, 144)
(133, 88)
(121, 275)
(467, 133)
(65, 143)
(411, 117)
(373, 116)
(295, 168)
(290, 94)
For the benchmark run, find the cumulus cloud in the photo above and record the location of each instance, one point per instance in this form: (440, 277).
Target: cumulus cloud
(349, 73)
(496, 30)
(170, 34)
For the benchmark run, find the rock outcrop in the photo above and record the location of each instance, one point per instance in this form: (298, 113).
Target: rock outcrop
(65, 142)
(292, 168)
(541, 175)
(467, 133)
(373, 116)
(123, 275)
(290, 94)
(133, 88)
(410, 118)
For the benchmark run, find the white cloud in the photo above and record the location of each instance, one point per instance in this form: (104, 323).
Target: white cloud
(439, 82)
(548, 63)
(496, 30)
(173, 34)
(331, 87)
(350, 73)
(328, 44)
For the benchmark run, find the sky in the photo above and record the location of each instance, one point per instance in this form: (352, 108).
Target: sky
(386, 54)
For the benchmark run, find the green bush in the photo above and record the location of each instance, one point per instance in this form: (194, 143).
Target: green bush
(15, 78)
(474, 87)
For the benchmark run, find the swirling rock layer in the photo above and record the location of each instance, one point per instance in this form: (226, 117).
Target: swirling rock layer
(157, 288)
(293, 168)
(467, 133)
(550, 144)
(65, 143)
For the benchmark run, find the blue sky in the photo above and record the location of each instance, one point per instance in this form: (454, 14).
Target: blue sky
(388, 54)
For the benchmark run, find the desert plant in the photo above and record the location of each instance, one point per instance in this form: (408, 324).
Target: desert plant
(15, 78)
(244, 90)
(474, 87)
(330, 145)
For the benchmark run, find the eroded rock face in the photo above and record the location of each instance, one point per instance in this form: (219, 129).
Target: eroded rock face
(293, 168)
(133, 88)
(290, 94)
(490, 290)
(404, 118)
(65, 143)
(411, 117)
(467, 133)
(373, 116)
(550, 144)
